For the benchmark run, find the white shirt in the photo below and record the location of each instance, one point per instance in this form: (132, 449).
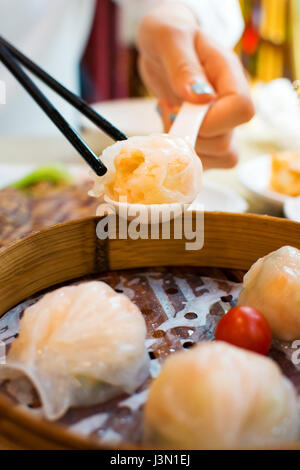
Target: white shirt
(221, 19)
(54, 32)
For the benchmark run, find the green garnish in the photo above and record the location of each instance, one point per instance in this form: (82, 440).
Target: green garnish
(56, 173)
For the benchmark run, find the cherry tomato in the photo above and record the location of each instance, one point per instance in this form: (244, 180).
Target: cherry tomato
(245, 327)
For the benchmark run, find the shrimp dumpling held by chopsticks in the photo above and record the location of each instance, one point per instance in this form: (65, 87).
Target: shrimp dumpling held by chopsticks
(154, 169)
(79, 345)
(217, 396)
(272, 286)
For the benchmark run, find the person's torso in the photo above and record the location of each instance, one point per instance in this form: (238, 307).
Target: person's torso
(52, 33)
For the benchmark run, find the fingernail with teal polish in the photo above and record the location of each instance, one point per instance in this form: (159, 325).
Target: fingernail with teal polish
(172, 117)
(202, 88)
(158, 109)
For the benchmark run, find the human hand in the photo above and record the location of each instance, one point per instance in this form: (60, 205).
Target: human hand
(178, 62)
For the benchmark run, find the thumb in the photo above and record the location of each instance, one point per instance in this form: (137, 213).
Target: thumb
(185, 73)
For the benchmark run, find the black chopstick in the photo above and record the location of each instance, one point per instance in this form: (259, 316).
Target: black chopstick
(72, 98)
(77, 142)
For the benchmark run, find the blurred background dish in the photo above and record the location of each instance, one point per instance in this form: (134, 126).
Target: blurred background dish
(255, 175)
(272, 178)
(291, 208)
(10, 173)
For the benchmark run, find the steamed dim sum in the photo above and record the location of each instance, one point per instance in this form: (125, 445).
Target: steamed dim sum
(79, 345)
(272, 285)
(219, 396)
(156, 169)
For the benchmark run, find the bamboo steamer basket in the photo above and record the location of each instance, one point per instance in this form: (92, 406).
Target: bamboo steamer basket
(70, 250)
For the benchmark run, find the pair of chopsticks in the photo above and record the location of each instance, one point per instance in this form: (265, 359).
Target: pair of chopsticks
(10, 56)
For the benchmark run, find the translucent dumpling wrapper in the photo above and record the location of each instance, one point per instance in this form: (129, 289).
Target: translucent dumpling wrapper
(272, 286)
(155, 169)
(218, 396)
(79, 345)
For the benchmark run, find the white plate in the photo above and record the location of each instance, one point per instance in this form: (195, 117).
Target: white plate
(255, 176)
(219, 198)
(214, 197)
(291, 208)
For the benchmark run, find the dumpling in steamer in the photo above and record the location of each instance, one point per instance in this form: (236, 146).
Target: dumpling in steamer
(217, 396)
(80, 345)
(272, 285)
(155, 169)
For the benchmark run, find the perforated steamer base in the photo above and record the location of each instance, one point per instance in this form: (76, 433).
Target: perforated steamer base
(181, 307)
